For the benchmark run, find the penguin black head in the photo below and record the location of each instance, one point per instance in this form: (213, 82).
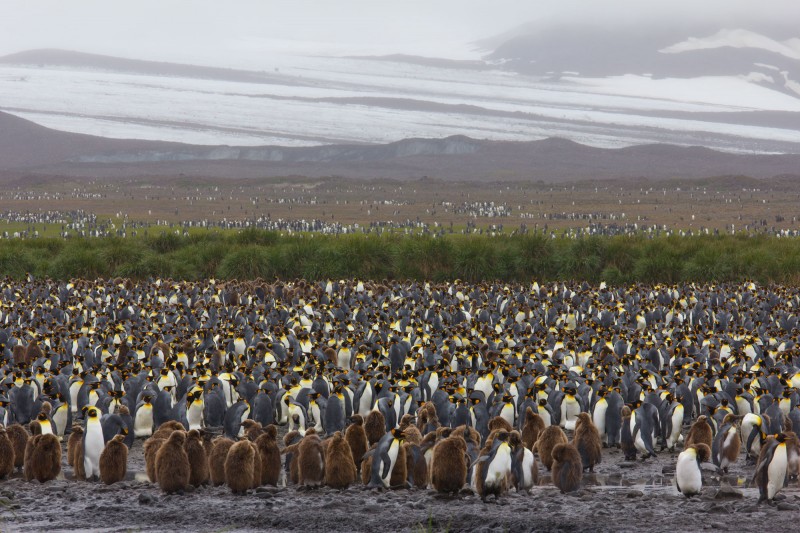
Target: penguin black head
(398, 434)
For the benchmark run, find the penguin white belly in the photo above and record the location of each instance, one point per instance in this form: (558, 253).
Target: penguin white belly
(314, 414)
(60, 420)
(143, 425)
(528, 461)
(73, 396)
(687, 474)
(499, 467)
(343, 359)
(507, 413)
(394, 448)
(365, 402)
(777, 471)
(545, 416)
(93, 445)
(677, 422)
(599, 418)
(194, 416)
(570, 409)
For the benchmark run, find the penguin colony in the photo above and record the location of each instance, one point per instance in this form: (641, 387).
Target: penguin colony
(396, 385)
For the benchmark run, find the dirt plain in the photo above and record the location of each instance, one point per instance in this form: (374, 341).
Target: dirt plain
(619, 496)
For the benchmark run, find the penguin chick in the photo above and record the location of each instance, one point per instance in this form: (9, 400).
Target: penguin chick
(45, 460)
(114, 460)
(356, 438)
(699, 433)
(75, 438)
(567, 468)
(549, 439)
(256, 464)
(533, 426)
(270, 456)
(151, 447)
(688, 475)
(6, 454)
(399, 477)
(587, 441)
(239, 467)
(19, 440)
(449, 472)
(216, 460)
(172, 464)
(166, 429)
(416, 466)
(375, 426)
(501, 423)
(27, 471)
(340, 470)
(311, 460)
(198, 460)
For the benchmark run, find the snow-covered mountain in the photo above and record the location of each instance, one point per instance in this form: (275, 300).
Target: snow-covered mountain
(727, 89)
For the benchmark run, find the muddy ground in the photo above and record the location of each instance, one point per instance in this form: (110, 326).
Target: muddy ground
(620, 496)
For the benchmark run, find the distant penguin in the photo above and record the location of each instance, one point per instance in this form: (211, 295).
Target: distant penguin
(6, 454)
(45, 460)
(93, 443)
(311, 460)
(19, 440)
(567, 468)
(74, 441)
(688, 474)
(356, 438)
(239, 467)
(143, 418)
(587, 441)
(532, 428)
(198, 459)
(216, 459)
(450, 464)
(699, 433)
(374, 426)
(172, 464)
(150, 448)
(340, 469)
(771, 468)
(267, 445)
(384, 458)
(549, 439)
(114, 460)
(493, 467)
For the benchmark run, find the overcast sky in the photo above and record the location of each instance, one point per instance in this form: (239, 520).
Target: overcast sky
(218, 31)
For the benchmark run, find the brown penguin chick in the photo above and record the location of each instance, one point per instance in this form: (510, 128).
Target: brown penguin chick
(292, 442)
(27, 471)
(150, 448)
(6, 454)
(311, 460)
(35, 428)
(533, 426)
(166, 429)
(32, 352)
(198, 459)
(340, 470)
(587, 441)
(416, 466)
(399, 475)
(449, 465)
(703, 452)
(18, 353)
(499, 422)
(172, 464)
(411, 434)
(75, 437)
(567, 468)
(256, 464)
(356, 438)
(366, 469)
(549, 439)
(19, 439)
(270, 456)
(239, 467)
(46, 408)
(374, 426)
(45, 461)
(251, 427)
(699, 433)
(216, 460)
(406, 421)
(114, 460)
(730, 442)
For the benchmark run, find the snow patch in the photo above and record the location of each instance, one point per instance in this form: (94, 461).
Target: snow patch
(737, 38)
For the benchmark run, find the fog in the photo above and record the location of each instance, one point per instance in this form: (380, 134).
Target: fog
(240, 32)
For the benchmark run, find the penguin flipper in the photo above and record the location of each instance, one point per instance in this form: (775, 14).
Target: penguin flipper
(387, 464)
